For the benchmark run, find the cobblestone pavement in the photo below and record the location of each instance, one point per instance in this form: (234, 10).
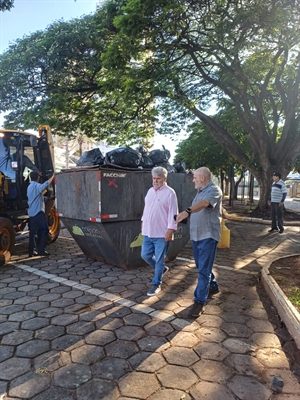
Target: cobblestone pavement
(74, 328)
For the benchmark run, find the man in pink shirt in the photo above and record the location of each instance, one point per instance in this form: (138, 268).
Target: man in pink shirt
(158, 225)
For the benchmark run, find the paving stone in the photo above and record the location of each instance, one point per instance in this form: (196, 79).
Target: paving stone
(236, 330)
(86, 299)
(210, 334)
(49, 297)
(28, 385)
(121, 348)
(72, 294)
(13, 296)
(100, 338)
(244, 388)
(138, 385)
(87, 354)
(51, 361)
(176, 377)
(55, 393)
(32, 348)
(272, 358)
(291, 384)
(80, 328)
(17, 337)
(37, 306)
(110, 324)
(64, 319)
(110, 368)
(213, 371)
(153, 343)
(265, 340)
(72, 376)
(28, 288)
(147, 362)
(258, 325)
(50, 332)
(39, 292)
(130, 333)
(92, 316)
(35, 323)
(181, 356)
(184, 339)
(8, 310)
(170, 394)
(213, 351)
(6, 327)
(118, 312)
(210, 321)
(158, 328)
(104, 390)
(213, 391)
(25, 300)
(62, 303)
(49, 312)
(235, 317)
(60, 290)
(13, 367)
(5, 353)
(3, 388)
(241, 346)
(66, 342)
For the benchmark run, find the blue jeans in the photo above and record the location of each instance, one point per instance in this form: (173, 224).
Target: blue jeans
(154, 251)
(204, 255)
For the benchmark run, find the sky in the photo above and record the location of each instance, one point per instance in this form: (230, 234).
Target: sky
(28, 16)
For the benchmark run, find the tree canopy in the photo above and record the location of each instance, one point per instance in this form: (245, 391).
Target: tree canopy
(6, 5)
(137, 60)
(56, 76)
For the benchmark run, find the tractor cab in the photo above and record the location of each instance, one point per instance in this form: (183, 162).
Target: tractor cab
(21, 153)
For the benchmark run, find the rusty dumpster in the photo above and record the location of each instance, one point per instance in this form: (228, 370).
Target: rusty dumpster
(102, 209)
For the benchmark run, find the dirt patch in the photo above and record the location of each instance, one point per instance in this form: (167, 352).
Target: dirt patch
(286, 273)
(246, 210)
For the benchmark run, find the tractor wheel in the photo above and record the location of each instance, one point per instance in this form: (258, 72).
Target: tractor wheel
(53, 225)
(7, 240)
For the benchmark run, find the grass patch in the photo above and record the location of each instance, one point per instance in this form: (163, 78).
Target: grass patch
(294, 297)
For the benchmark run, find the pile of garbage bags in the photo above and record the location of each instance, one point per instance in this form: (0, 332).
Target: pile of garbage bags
(130, 158)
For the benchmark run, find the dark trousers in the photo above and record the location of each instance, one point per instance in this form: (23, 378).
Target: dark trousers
(276, 213)
(39, 227)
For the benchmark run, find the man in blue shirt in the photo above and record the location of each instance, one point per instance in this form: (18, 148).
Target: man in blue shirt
(278, 195)
(36, 212)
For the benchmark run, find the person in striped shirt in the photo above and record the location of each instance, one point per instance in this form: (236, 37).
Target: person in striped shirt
(277, 197)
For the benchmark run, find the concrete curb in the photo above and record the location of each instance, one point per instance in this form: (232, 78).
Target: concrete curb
(288, 313)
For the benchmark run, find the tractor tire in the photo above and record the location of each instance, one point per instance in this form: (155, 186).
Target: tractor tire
(7, 240)
(53, 225)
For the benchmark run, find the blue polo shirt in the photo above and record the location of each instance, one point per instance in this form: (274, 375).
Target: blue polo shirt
(206, 224)
(35, 198)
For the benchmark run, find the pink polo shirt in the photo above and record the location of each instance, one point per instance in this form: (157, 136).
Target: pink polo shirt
(160, 208)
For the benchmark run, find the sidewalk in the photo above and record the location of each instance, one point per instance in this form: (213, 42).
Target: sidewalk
(73, 328)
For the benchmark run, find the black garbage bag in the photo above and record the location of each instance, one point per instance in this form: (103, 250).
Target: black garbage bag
(147, 162)
(159, 156)
(142, 150)
(180, 167)
(91, 157)
(170, 168)
(125, 157)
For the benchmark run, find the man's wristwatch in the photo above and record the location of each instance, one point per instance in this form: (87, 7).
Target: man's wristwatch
(188, 210)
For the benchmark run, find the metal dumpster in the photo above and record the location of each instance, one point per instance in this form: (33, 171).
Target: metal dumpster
(102, 209)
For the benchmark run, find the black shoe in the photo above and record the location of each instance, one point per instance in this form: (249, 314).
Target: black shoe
(196, 310)
(273, 230)
(153, 290)
(44, 253)
(212, 291)
(281, 230)
(33, 254)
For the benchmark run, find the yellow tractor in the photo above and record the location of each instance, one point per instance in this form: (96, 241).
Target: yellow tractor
(20, 152)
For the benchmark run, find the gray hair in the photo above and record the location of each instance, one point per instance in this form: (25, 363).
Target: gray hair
(160, 171)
